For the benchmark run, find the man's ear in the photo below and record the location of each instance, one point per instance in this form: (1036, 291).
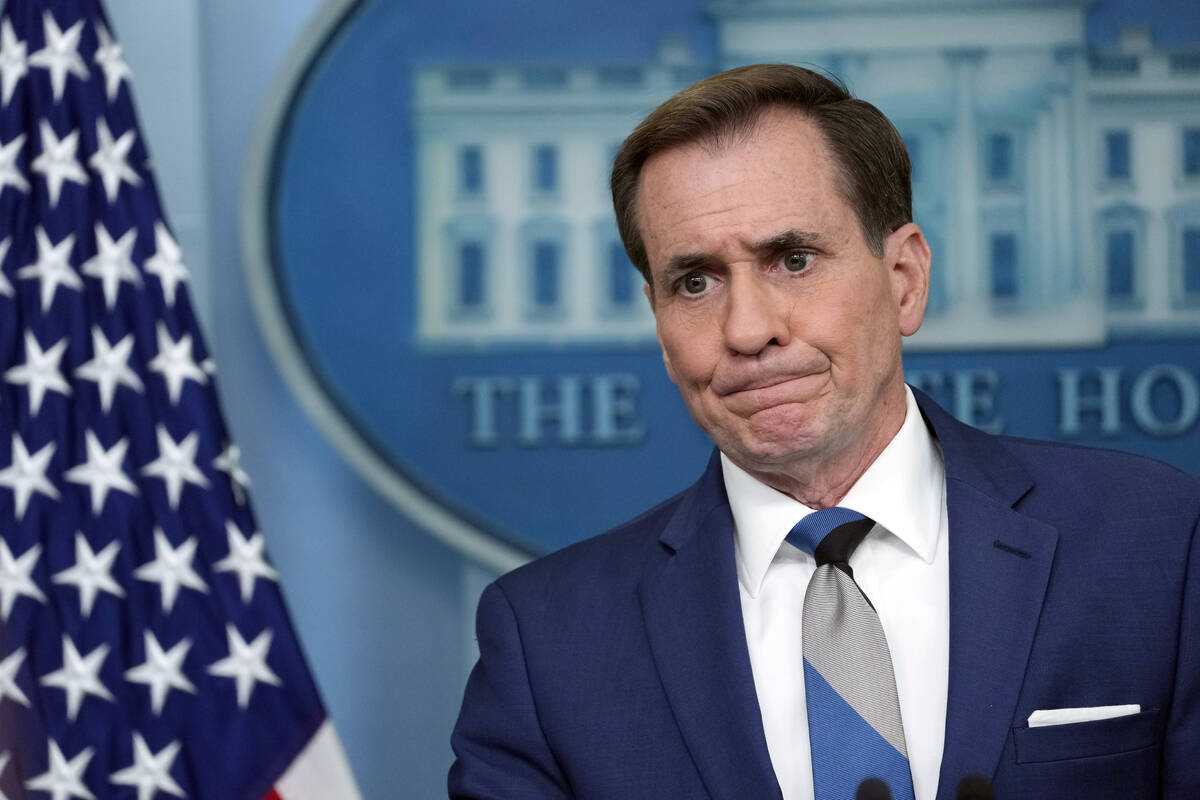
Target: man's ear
(909, 260)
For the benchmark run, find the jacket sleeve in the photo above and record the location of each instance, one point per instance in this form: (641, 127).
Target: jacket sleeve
(500, 749)
(1181, 767)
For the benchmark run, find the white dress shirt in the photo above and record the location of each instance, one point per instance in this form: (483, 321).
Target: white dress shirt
(902, 566)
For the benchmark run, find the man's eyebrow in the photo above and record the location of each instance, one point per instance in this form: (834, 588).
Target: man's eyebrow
(788, 240)
(685, 263)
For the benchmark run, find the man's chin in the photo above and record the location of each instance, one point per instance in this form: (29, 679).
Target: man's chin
(771, 436)
(764, 452)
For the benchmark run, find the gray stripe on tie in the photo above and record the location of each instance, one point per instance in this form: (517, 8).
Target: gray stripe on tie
(844, 641)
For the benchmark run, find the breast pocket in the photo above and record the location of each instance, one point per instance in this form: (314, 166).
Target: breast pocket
(1107, 758)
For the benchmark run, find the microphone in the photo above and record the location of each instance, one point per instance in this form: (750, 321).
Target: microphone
(873, 789)
(974, 787)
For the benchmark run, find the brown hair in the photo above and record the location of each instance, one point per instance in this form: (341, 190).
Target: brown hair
(873, 167)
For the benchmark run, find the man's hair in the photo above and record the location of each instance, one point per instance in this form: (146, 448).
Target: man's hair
(872, 167)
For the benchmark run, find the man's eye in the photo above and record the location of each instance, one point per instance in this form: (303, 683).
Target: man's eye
(796, 260)
(695, 283)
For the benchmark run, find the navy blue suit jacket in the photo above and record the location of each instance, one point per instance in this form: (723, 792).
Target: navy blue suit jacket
(618, 667)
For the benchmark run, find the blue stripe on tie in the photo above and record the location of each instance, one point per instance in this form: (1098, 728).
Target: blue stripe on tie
(845, 749)
(808, 532)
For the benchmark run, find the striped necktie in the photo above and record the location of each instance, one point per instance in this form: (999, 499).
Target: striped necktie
(854, 726)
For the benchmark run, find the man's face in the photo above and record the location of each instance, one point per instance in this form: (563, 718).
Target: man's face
(779, 326)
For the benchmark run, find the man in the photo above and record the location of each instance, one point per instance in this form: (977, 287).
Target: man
(691, 652)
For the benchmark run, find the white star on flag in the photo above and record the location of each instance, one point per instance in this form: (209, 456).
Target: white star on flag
(16, 577)
(113, 263)
(109, 366)
(230, 462)
(91, 573)
(175, 363)
(79, 676)
(10, 173)
(102, 471)
(8, 677)
(109, 58)
(40, 371)
(53, 266)
(171, 568)
(27, 474)
(4, 757)
(64, 779)
(110, 159)
(57, 161)
(60, 55)
(6, 288)
(246, 664)
(166, 263)
(176, 464)
(150, 772)
(162, 671)
(246, 559)
(13, 62)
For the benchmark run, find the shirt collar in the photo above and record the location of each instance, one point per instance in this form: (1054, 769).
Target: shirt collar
(903, 490)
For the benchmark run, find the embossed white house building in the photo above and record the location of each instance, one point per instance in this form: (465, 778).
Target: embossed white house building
(1059, 185)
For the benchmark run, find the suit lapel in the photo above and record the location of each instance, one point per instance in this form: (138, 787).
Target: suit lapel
(693, 617)
(999, 567)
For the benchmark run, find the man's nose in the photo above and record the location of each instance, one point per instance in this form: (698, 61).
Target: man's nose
(755, 315)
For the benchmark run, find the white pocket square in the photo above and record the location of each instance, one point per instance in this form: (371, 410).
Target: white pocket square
(1063, 716)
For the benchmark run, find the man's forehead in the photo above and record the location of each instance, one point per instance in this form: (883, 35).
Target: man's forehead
(774, 181)
(772, 123)
(783, 145)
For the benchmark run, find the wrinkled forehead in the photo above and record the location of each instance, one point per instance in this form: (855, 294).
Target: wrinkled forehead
(789, 138)
(779, 167)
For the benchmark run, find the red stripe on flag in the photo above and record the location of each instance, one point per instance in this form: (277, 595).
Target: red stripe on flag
(272, 795)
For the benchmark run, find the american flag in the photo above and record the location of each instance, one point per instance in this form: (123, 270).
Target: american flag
(145, 650)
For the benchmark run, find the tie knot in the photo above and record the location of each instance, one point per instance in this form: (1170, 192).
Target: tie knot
(831, 534)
